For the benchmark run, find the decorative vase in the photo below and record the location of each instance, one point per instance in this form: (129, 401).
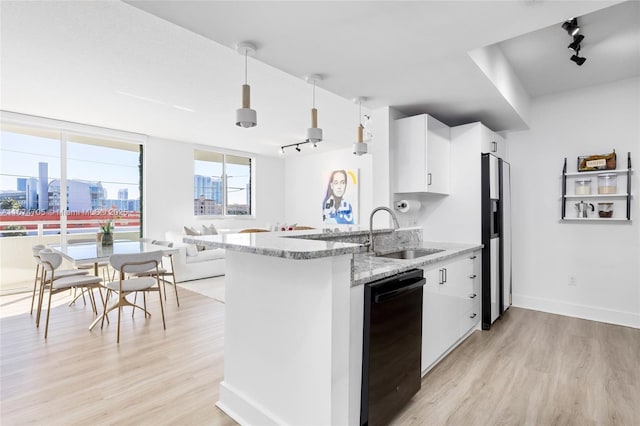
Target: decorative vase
(107, 239)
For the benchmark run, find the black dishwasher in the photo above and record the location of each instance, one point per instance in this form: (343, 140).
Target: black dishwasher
(392, 345)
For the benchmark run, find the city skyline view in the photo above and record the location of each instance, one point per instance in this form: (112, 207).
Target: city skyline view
(115, 169)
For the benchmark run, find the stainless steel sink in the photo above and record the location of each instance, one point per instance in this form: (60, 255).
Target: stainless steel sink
(410, 253)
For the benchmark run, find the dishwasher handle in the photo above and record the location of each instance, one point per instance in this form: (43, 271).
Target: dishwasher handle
(393, 294)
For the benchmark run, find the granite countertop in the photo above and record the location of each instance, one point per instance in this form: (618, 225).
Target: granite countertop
(367, 267)
(286, 244)
(314, 244)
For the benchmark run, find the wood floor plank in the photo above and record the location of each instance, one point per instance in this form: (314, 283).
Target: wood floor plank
(531, 368)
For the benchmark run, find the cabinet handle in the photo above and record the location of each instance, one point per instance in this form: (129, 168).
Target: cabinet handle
(472, 257)
(472, 276)
(445, 274)
(494, 146)
(441, 276)
(472, 296)
(472, 316)
(428, 179)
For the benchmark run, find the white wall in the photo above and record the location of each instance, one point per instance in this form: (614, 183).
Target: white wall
(169, 190)
(604, 258)
(305, 177)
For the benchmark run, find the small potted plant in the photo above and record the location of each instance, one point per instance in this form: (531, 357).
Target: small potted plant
(106, 231)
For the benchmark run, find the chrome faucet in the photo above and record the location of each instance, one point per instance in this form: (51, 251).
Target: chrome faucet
(396, 225)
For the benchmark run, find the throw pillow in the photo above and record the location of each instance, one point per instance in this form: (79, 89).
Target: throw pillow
(192, 250)
(209, 230)
(201, 247)
(190, 231)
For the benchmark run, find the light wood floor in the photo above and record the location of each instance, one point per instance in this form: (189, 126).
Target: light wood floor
(531, 368)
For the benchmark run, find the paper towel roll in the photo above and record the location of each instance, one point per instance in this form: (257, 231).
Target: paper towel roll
(405, 206)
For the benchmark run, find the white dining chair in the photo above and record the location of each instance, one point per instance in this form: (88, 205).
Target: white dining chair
(165, 275)
(132, 264)
(49, 262)
(35, 250)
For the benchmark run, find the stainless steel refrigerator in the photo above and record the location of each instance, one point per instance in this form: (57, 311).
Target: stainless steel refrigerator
(496, 237)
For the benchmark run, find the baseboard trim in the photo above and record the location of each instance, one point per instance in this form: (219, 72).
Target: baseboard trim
(234, 402)
(627, 319)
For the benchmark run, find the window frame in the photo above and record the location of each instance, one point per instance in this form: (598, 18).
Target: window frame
(252, 180)
(76, 131)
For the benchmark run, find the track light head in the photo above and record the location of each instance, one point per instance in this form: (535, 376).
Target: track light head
(578, 60)
(571, 27)
(298, 148)
(575, 46)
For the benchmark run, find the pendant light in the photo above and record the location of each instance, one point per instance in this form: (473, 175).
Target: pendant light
(245, 116)
(360, 147)
(314, 133)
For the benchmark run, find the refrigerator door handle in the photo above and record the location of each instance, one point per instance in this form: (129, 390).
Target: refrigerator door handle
(428, 179)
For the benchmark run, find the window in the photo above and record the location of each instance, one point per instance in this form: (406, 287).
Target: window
(221, 184)
(54, 182)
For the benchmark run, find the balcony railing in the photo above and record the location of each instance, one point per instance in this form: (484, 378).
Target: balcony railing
(18, 235)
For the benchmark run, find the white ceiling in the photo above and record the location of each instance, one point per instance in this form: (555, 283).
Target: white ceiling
(136, 66)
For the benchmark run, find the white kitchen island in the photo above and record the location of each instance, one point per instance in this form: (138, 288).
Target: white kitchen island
(293, 325)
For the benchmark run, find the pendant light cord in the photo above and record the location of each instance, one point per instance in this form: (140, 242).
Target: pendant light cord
(314, 94)
(245, 67)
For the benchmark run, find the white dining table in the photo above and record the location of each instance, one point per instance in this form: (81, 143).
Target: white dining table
(96, 253)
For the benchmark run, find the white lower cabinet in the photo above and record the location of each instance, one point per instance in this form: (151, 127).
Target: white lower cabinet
(451, 306)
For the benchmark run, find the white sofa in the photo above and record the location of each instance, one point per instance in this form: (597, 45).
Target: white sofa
(191, 264)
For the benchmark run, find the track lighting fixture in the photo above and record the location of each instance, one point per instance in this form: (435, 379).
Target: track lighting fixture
(245, 116)
(577, 59)
(360, 147)
(575, 45)
(314, 134)
(297, 146)
(571, 27)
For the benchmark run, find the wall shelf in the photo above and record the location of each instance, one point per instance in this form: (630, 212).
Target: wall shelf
(595, 219)
(616, 198)
(573, 196)
(598, 172)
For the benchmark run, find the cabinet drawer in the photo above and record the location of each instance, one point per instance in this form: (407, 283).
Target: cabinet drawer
(470, 318)
(469, 301)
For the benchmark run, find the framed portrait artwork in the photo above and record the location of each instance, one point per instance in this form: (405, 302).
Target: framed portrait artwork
(340, 197)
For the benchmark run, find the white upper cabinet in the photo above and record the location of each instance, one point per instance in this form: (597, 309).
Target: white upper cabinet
(493, 143)
(421, 155)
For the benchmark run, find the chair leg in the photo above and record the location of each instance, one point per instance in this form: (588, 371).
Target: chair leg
(40, 300)
(164, 325)
(119, 314)
(106, 301)
(46, 327)
(35, 284)
(135, 299)
(173, 279)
